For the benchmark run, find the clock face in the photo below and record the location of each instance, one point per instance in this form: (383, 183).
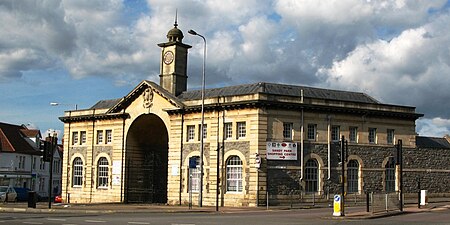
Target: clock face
(168, 57)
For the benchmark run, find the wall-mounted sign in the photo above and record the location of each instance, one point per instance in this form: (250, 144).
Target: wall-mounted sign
(282, 150)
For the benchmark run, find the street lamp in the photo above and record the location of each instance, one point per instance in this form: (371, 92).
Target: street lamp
(200, 196)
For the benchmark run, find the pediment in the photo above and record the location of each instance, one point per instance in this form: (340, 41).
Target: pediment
(146, 90)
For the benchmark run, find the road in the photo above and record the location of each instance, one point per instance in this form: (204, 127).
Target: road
(280, 217)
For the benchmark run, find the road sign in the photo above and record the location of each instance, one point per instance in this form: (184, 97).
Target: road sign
(337, 207)
(282, 150)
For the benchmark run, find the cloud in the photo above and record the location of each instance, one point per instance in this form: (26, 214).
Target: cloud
(436, 127)
(410, 69)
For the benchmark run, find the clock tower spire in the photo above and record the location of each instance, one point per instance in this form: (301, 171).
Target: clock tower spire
(173, 76)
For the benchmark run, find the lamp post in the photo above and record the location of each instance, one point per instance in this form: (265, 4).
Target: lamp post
(200, 196)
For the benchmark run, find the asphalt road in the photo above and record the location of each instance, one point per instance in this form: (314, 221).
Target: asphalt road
(283, 217)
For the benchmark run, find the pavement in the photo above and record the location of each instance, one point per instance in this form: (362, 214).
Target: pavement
(351, 212)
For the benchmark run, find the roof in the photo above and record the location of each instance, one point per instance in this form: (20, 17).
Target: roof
(12, 139)
(105, 104)
(432, 142)
(280, 89)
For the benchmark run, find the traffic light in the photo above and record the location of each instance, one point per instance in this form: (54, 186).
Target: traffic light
(47, 149)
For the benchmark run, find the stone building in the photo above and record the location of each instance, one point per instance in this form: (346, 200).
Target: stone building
(258, 138)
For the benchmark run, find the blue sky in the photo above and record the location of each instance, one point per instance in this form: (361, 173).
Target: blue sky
(80, 52)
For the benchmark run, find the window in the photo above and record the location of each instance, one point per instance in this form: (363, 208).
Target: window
(34, 163)
(205, 131)
(195, 176)
(190, 133)
(22, 162)
(311, 176)
(83, 137)
(312, 132)
(335, 133)
(102, 172)
(108, 136)
(77, 172)
(353, 134)
(41, 164)
(99, 137)
(390, 175)
(352, 176)
(287, 131)
(390, 136)
(372, 135)
(74, 138)
(241, 130)
(228, 130)
(42, 184)
(234, 174)
(56, 166)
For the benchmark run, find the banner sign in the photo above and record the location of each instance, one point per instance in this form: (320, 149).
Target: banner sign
(282, 150)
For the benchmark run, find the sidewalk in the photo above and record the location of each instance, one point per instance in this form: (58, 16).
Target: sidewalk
(351, 212)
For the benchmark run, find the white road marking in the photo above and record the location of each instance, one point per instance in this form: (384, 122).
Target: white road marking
(138, 223)
(32, 223)
(55, 219)
(95, 221)
(183, 223)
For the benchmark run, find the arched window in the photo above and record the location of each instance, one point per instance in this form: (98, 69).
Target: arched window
(77, 174)
(311, 176)
(234, 174)
(194, 174)
(352, 176)
(102, 172)
(390, 176)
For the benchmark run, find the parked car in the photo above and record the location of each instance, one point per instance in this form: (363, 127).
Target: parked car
(7, 194)
(58, 199)
(22, 194)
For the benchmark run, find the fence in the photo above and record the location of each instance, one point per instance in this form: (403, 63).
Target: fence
(377, 202)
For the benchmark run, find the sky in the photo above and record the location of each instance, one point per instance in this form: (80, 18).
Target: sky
(79, 52)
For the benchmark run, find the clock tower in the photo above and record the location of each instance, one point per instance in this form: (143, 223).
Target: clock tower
(173, 76)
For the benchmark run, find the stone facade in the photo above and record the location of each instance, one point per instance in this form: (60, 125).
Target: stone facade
(151, 140)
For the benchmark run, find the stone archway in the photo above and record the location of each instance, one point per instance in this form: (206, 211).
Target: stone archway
(146, 160)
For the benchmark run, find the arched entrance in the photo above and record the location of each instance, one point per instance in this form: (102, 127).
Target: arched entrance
(146, 160)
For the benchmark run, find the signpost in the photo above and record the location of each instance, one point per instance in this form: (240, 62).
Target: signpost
(282, 150)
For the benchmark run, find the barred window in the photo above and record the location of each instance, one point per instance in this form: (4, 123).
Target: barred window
(228, 130)
(354, 134)
(352, 176)
(194, 184)
(108, 136)
(287, 131)
(102, 172)
(234, 174)
(190, 133)
(311, 176)
(390, 136)
(241, 129)
(390, 175)
(372, 135)
(99, 137)
(83, 137)
(312, 132)
(77, 175)
(74, 138)
(335, 133)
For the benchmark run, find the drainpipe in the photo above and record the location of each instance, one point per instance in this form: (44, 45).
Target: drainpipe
(329, 145)
(301, 139)
(181, 156)
(123, 158)
(92, 155)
